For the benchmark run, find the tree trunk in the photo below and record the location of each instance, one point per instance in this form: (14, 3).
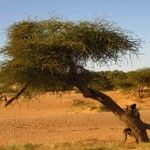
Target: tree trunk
(136, 125)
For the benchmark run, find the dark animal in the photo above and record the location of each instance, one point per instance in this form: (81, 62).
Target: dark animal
(132, 111)
(128, 132)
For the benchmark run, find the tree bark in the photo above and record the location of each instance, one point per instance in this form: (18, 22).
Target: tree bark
(137, 126)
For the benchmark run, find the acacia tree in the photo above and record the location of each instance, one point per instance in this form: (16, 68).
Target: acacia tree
(140, 79)
(51, 56)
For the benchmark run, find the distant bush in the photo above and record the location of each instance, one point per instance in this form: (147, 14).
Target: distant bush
(112, 80)
(30, 147)
(140, 80)
(83, 105)
(101, 82)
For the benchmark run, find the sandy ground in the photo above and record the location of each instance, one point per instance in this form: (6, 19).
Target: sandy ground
(53, 119)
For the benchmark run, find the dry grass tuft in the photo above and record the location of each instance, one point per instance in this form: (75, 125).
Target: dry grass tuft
(87, 105)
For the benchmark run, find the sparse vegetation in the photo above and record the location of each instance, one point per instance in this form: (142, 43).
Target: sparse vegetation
(28, 146)
(87, 105)
(137, 81)
(99, 146)
(91, 144)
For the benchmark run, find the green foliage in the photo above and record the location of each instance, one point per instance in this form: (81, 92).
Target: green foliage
(140, 79)
(141, 76)
(100, 81)
(110, 80)
(49, 54)
(118, 79)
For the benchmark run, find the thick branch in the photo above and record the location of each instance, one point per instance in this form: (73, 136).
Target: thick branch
(104, 99)
(17, 95)
(147, 126)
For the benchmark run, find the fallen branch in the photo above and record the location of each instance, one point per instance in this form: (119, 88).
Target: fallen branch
(17, 95)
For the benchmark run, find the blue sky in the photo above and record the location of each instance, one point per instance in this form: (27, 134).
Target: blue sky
(133, 15)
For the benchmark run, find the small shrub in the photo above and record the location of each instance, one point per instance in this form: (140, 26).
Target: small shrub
(102, 108)
(88, 105)
(84, 104)
(30, 147)
(11, 147)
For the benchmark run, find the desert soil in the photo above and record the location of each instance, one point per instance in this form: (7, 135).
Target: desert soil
(53, 119)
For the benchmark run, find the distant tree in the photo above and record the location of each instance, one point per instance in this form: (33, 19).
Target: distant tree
(140, 79)
(51, 56)
(118, 78)
(100, 81)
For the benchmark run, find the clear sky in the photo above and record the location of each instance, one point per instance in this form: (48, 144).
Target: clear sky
(133, 15)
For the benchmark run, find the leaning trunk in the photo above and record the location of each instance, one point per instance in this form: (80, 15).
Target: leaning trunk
(134, 123)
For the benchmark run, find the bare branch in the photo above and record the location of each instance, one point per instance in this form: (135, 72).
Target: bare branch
(17, 95)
